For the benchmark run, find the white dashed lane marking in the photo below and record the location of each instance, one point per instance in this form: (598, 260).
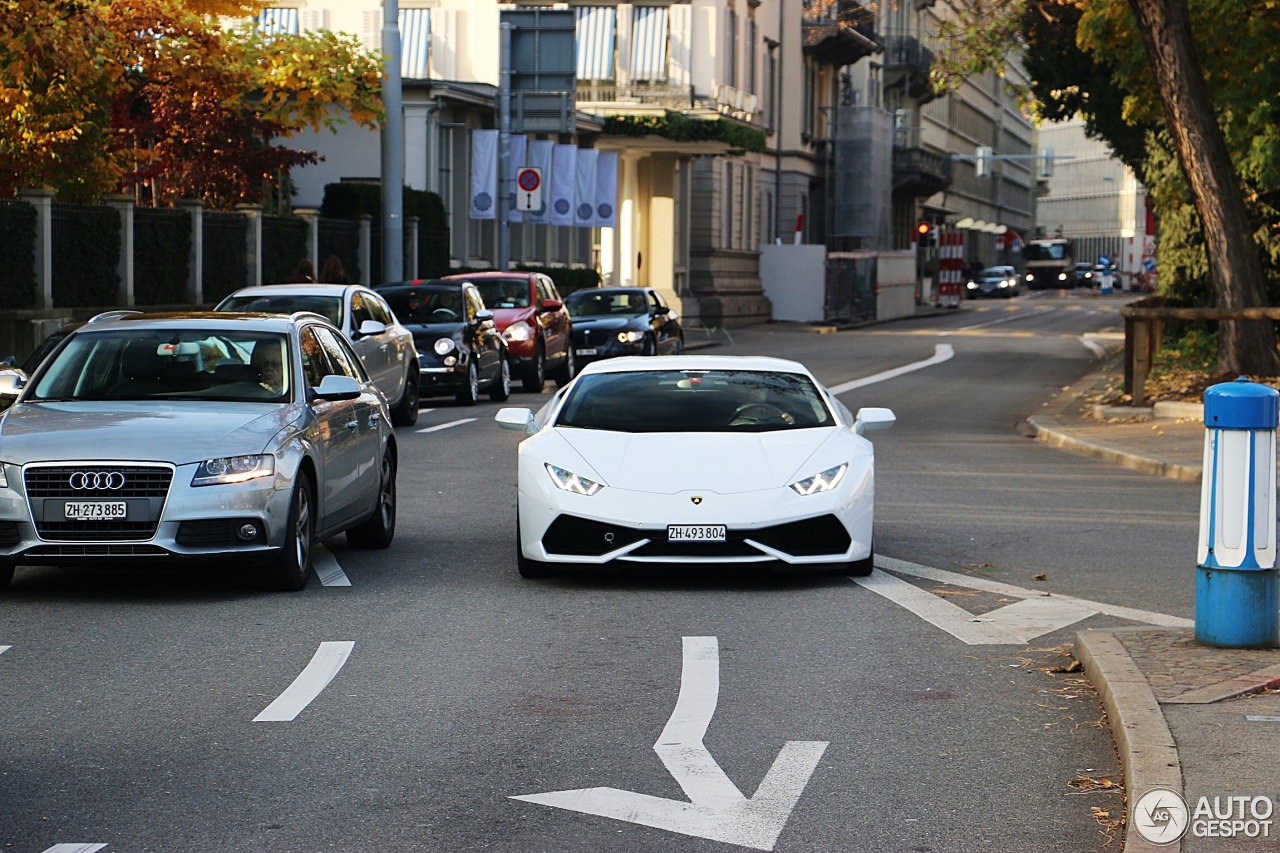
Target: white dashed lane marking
(75, 848)
(327, 568)
(4, 649)
(326, 663)
(439, 427)
(1006, 319)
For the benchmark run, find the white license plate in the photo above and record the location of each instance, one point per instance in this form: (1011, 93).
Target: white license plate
(95, 510)
(695, 533)
(585, 351)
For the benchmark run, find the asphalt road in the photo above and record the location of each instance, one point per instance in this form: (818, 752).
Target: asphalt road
(128, 699)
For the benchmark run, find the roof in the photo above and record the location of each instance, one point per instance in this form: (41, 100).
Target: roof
(296, 290)
(696, 362)
(198, 319)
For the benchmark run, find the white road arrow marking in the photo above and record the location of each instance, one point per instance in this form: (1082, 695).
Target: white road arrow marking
(327, 568)
(75, 848)
(4, 649)
(717, 810)
(941, 353)
(1015, 623)
(326, 662)
(1094, 347)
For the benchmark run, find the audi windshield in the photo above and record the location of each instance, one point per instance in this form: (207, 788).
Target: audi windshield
(168, 364)
(695, 401)
(329, 307)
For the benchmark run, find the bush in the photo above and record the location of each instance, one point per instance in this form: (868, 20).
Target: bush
(17, 255)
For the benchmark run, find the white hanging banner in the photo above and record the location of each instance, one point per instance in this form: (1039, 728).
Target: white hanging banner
(519, 145)
(607, 190)
(584, 189)
(539, 157)
(484, 173)
(564, 172)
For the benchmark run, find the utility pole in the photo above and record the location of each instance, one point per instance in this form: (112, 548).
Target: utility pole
(392, 149)
(504, 149)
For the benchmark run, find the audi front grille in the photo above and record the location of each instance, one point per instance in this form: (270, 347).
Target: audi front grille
(47, 486)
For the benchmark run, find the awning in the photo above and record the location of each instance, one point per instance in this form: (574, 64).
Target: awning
(649, 43)
(278, 22)
(594, 30)
(415, 43)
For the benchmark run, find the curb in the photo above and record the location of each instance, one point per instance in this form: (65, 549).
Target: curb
(828, 328)
(1148, 754)
(1058, 438)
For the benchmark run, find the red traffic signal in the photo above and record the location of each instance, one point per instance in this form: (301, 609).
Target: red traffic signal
(922, 230)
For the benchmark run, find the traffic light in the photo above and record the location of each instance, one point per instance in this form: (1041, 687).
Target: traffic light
(924, 234)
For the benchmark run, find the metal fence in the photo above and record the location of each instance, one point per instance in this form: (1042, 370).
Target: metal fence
(224, 255)
(284, 245)
(342, 238)
(86, 255)
(161, 255)
(850, 289)
(17, 254)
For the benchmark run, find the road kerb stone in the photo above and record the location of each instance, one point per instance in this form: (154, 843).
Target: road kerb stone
(1055, 436)
(1148, 753)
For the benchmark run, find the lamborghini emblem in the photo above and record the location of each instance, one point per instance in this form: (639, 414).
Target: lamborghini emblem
(697, 499)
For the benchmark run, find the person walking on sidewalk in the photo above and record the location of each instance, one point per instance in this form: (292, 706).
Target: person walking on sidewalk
(304, 274)
(332, 271)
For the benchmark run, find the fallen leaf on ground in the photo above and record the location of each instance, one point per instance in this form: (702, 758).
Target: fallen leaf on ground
(1040, 577)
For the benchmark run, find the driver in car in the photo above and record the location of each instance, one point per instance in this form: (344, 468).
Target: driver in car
(270, 364)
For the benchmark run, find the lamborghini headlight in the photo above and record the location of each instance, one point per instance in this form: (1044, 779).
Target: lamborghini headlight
(571, 482)
(823, 482)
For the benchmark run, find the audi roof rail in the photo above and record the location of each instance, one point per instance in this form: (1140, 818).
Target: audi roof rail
(111, 315)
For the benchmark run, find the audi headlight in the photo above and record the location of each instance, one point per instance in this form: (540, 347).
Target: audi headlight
(571, 482)
(518, 331)
(443, 346)
(233, 469)
(823, 482)
(630, 337)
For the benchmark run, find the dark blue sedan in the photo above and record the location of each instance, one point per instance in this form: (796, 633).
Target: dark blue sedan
(614, 321)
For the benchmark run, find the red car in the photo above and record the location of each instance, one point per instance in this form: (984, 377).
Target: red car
(533, 321)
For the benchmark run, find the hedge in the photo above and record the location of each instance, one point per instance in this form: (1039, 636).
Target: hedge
(17, 255)
(684, 129)
(284, 245)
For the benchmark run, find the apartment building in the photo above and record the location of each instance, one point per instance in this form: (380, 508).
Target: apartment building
(692, 208)
(1096, 201)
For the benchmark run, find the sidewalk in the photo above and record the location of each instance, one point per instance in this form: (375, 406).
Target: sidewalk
(1146, 441)
(1198, 720)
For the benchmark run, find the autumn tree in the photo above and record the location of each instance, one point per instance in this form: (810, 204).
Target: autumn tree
(97, 95)
(1154, 58)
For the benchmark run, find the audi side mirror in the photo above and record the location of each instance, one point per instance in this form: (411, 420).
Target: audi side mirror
(9, 361)
(334, 387)
(371, 327)
(871, 419)
(517, 419)
(10, 384)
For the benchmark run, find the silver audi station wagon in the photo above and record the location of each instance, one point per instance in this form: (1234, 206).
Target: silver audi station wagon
(160, 439)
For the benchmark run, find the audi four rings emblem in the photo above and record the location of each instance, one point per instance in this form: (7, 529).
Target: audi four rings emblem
(94, 480)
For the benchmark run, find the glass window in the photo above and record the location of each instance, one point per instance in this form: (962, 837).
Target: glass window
(359, 310)
(340, 357)
(169, 364)
(553, 290)
(315, 366)
(426, 305)
(474, 303)
(379, 309)
(695, 401)
(329, 307)
(503, 292)
(599, 303)
(653, 301)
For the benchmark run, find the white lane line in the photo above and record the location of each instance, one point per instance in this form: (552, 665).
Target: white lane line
(327, 568)
(1261, 718)
(1094, 347)
(942, 576)
(4, 649)
(75, 848)
(439, 427)
(941, 353)
(328, 659)
(956, 621)
(1007, 319)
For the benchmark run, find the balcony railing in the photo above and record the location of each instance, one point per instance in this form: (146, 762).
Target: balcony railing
(727, 100)
(918, 169)
(907, 61)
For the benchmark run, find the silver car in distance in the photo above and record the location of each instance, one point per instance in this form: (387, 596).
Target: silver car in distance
(164, 439)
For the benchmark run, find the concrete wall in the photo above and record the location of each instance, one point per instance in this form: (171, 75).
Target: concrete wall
(895, 285)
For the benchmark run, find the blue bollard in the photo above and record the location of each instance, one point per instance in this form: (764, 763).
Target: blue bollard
(1237, 587)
